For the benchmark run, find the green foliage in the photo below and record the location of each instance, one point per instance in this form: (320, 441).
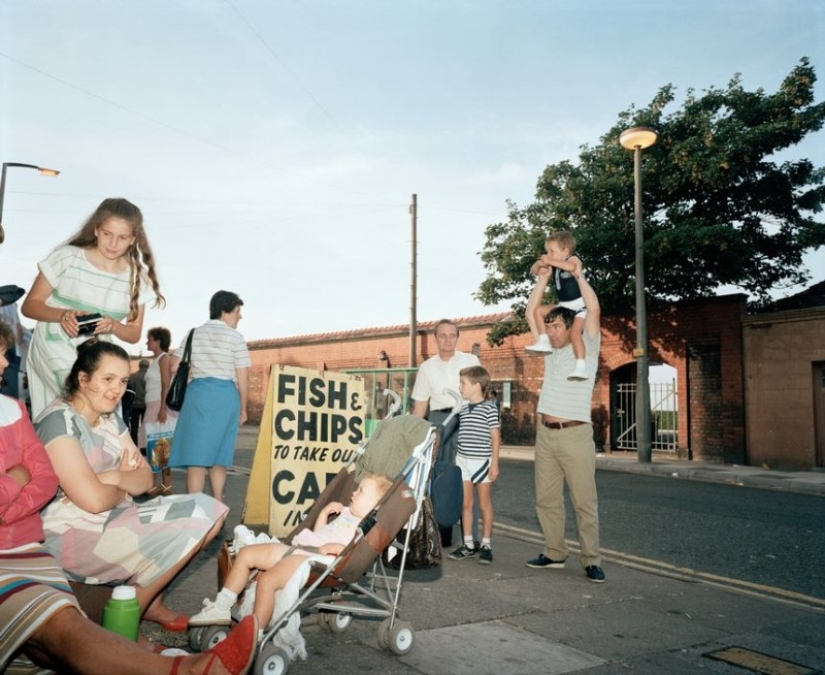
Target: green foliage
(719, 208)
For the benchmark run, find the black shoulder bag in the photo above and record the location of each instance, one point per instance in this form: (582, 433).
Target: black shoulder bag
(177, 390)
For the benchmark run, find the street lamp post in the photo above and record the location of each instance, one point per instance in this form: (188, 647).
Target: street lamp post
(43, 171)
(638, 139)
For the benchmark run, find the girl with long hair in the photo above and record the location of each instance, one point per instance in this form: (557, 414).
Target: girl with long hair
(105, 271)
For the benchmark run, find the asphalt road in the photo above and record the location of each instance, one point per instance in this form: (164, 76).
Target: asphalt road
(764, 537)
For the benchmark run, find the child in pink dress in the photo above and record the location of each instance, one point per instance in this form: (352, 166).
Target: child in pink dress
(280, 561)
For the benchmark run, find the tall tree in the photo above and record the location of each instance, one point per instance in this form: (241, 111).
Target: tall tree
(720, 207)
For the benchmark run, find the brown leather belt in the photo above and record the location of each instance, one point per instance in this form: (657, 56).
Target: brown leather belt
(561, 425)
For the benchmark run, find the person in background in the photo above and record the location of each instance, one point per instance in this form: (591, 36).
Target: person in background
(11, 382)
(106, 269)
(93, 526)
(565, 450)
(216, 397)
(137, 383)
(158, 377)
(436, 376)
(42, 626)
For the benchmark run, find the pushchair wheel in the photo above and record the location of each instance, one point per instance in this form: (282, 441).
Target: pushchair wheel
(399, 637)
(194, 637)
(337, 622)
(271, 660)
(209, 636)
(383, 634)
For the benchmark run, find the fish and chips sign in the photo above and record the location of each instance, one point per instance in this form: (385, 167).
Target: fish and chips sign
(312, 424)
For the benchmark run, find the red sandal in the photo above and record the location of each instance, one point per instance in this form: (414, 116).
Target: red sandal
(237, 651)
(179, 624)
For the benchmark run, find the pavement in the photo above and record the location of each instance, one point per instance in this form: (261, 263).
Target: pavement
(504, 618)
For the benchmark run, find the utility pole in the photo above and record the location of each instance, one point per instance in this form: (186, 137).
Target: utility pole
(413, 288)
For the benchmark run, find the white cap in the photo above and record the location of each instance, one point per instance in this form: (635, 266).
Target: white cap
(124, 593)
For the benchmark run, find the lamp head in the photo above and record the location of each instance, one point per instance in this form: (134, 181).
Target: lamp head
(638, 137)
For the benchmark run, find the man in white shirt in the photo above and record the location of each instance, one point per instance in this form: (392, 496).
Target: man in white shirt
(436, 376)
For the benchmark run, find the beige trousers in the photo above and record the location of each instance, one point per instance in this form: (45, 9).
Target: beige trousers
(567, 455)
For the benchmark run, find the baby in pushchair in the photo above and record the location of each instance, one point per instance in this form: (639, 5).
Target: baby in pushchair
(278, 562)
(352, 581)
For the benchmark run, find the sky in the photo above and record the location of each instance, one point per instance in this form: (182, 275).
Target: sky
(274, 146)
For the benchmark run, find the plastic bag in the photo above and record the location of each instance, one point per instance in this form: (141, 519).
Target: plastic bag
(159, 443)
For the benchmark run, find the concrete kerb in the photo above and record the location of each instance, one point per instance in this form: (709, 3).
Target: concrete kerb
(807, 482)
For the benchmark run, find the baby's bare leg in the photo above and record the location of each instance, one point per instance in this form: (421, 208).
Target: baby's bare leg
(271, 581)
(249, 558)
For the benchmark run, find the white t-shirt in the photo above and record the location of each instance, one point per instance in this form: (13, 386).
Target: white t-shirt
(435, 375)
(569, 399)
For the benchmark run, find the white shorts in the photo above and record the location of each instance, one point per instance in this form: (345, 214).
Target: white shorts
(473, 469)
(577, 306)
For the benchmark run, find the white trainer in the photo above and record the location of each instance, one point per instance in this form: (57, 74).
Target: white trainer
(211, 615)
(579, 373)
(541, 346)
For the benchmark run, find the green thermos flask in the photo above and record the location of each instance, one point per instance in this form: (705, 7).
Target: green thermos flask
(121, 614)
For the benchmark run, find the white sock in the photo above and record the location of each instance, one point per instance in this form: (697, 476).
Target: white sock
(485, 541)
(580, 363)
(468, 541)
(226, 598)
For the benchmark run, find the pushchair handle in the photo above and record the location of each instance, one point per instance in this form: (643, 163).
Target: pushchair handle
(395, 406)
(458, 402)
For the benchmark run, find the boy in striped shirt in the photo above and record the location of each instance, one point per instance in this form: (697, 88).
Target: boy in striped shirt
(479, 439)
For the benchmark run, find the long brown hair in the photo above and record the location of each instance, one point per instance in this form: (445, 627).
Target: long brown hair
(139, 255)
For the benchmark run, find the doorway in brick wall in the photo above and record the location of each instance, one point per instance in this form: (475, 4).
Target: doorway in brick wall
(664, 404)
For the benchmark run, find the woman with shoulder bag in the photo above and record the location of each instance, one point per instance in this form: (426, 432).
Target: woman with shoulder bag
(216, 397)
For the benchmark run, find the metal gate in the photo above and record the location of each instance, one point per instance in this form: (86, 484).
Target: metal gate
(663, 416)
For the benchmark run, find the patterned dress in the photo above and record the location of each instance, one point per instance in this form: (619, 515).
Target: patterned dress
(131, 543)
(81, 286)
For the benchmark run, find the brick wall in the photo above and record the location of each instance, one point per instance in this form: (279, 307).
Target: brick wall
(711, 419)
(785, 352)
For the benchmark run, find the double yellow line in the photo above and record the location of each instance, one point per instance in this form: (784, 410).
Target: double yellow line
(674, 571)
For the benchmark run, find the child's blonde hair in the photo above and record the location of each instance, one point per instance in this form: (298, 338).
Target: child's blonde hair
(564, 239)
(477, 375)
(382, 483)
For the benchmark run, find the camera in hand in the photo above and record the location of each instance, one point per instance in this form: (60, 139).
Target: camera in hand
(86, 323)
